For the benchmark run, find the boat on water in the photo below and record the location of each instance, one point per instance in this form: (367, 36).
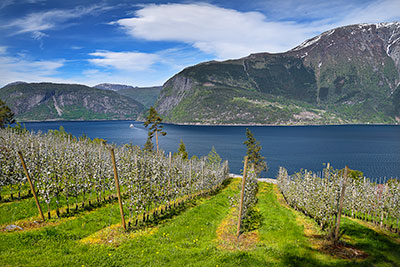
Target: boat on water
(131, 125)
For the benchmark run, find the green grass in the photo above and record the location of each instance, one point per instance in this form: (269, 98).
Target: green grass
(25, 208)
(189, 239)
(383, 250)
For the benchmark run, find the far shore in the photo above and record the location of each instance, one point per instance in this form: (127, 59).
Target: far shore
(224, 124)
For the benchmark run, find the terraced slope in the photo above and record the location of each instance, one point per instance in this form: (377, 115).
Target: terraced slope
(188, 238)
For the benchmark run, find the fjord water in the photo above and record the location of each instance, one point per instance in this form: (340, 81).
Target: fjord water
(372, 149)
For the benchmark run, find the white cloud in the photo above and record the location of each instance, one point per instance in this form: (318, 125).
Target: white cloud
(92, 77)
(6, 3)
(215, 30)
(20, 69)
(304, 10)
(227, 33)
(378, 11)
(38, 35)
(111, 67)
(126, 61)
(37, 23)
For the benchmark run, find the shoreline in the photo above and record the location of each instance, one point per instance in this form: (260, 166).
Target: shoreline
(283, 125)
(227, 124)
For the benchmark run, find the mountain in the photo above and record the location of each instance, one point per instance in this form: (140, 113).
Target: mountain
(112, 86)
(145, 95)
(50, 101)
(346, 75)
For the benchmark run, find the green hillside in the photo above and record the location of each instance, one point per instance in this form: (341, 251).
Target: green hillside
(49, 101)
(346, 75)
(145, 95)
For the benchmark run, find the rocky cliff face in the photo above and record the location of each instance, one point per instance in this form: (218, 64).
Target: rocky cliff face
(178, 89)
(345, 75)
(47, 101)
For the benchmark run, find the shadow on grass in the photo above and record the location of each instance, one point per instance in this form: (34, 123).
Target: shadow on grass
(15, 198)
(380, 248)
(377, 250)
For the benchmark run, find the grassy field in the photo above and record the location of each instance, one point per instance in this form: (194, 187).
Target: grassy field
(189, 237)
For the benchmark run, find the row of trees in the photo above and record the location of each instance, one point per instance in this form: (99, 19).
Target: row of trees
(64, 167)
(68, 169)
(320, 197)
(254, 164)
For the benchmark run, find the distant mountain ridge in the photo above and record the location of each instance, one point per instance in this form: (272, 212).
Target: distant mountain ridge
(346, 75)
(112, 86)
(145, 95)
(51, 101)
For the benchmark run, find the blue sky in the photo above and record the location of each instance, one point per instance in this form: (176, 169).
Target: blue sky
(143, 43)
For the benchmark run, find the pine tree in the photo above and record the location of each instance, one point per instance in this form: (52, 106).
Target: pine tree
(6, 116)
(156, 128)
(182, 150)
(213, 157)
(253, 153)
(148, 146)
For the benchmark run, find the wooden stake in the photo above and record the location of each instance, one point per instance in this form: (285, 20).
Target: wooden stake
(169, 171)
(242, 197)
(190, 173)
(31, 185)
(336, 237)
(383, 197)
(157, 140)
(121, 209)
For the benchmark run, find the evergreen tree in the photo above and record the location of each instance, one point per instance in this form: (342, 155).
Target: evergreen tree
(182, 150)
(153, 119)
(213, 157)
(148, 146)
(253, 153)
(6, 116)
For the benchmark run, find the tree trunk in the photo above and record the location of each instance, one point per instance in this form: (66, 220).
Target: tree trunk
(157, 140)
(48, 211)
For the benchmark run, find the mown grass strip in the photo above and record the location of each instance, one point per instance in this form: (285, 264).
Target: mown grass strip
(361, 246)
(26, 208)
(186, 235)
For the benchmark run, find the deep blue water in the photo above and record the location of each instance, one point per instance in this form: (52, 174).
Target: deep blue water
(373, 149)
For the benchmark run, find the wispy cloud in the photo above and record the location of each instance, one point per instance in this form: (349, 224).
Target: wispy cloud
(139, 69)
(37, 23)
(126, 61)
(3, 50)
(376, 11)
(22, 69)
(6, 3)
(228, 33)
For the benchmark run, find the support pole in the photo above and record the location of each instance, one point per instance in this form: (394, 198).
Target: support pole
(31, 185)
(242, 197)
(121, 209)
(336, 238)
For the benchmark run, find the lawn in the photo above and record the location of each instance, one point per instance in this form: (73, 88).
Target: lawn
(187, 237)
